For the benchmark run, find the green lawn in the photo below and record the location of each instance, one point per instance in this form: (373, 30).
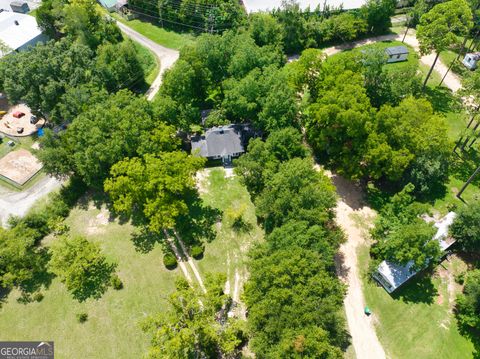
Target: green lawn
(417, 322)
(155, 33)
(228, 251)
(112, 329)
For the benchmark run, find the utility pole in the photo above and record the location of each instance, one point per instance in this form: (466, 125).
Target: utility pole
(472, 177)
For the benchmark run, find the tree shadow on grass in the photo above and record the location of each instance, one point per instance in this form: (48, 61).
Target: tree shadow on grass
(197, 224)
(442, 99)
(145, 240)
(419, 289)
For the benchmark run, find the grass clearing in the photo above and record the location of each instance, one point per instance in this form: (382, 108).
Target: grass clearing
(417, 322)
(112, 328)
(227, 253)
(167, 38)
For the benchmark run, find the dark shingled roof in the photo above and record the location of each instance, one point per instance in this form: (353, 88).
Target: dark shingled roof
(396, 50)
(219, 141)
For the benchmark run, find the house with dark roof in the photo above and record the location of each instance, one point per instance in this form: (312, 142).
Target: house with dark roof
(396, 54)
(222, 143)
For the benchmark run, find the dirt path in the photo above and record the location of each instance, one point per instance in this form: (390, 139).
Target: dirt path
(452, 81)
(190, 262)
(364, 338)
(178, 256)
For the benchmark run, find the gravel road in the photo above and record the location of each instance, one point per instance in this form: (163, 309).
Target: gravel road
(18, 203)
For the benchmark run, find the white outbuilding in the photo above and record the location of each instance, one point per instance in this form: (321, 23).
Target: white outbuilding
(396, 54)
(18, 32)
(392, 275)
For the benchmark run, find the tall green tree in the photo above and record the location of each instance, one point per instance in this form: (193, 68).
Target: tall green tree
(197, 326)
(296, 191)
(293, 286)
(81, 266)
(152, 190)
(98, 138)
(466, 227)
(441, 27)
(42, 75)
(468, 303)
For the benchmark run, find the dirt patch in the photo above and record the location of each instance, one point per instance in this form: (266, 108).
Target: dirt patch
(19, 166)
(97, 225)
(201, 180)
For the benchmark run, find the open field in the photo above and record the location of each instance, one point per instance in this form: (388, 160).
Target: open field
(112, 328)
(417, 321)
(227, 253)
(167, 38)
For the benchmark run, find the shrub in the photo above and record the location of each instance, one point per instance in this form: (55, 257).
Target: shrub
(197, 251)
(117, 283)
(169, 261)
(38, 297)
(82, 317)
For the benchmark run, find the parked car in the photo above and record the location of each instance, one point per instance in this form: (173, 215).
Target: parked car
(19, 129)
(33, 119)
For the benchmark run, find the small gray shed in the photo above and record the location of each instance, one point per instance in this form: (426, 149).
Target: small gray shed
(396, 54)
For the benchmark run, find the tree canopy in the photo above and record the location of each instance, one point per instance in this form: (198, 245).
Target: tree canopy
(466, 227)
(197, 324)
(81, 267)
(152, 189)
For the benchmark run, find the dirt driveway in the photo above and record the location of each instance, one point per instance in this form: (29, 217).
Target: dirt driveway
(350, 205)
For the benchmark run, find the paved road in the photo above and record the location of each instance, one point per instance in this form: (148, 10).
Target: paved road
(14, 203)
(166, 56)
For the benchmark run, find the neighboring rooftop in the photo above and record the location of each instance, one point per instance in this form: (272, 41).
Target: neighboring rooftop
(267, 5)
(219, 142)
(32, 4)
(18, 31)
(396, 50)
(391, 275)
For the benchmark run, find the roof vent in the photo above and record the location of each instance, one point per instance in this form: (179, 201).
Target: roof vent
(16, 22)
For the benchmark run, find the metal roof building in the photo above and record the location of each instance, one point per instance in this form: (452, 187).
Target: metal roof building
(18, 31)
(391, 275)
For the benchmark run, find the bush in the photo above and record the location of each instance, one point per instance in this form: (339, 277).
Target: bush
(170, 261)
(117, 283)
(38, 297)
(197, 251)
(82, 317)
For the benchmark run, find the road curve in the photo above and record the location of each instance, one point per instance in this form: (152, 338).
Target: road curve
(166, 56)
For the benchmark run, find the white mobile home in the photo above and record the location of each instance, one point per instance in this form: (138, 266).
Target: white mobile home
(391, 275)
